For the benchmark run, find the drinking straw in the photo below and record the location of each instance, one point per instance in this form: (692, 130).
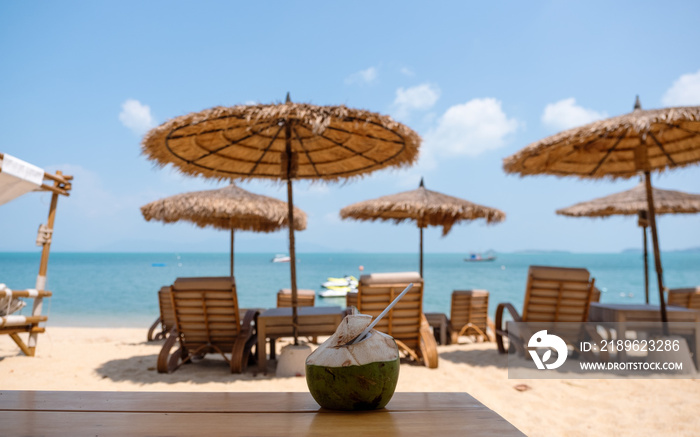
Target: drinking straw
(364, 333)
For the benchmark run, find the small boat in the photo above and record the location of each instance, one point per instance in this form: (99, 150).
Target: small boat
(340, 282)
(279, 258)
(474, 257)
(336, 292)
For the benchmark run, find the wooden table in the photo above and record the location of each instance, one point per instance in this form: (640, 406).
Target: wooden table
(277, 322)
(620, 313)
(52, 413)
(439, 322)
(624, 313)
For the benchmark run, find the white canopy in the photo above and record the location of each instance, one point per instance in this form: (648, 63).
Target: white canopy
(17, 177)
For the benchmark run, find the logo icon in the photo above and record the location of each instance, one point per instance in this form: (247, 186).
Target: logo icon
(549, 341)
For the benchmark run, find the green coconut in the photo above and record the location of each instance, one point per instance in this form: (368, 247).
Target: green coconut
(360, 376)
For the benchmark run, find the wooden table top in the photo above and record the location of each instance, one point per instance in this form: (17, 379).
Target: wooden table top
(302, 311)
(240, 414)
(610, 312)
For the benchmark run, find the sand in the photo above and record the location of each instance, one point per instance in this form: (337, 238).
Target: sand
(109, 359)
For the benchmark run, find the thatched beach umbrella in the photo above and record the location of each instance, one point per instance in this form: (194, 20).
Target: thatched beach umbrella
(282, 142)
(619, 147)
(229, 208)
(425, 207)
(634, 202)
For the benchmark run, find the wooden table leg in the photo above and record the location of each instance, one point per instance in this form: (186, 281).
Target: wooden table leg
(262, 353)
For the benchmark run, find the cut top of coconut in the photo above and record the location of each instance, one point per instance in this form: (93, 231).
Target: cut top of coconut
(335, 352)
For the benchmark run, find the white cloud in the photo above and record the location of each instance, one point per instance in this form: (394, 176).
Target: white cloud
(685, 91)
(470, 129)
(566, 114)
(136, 116)
(366, 76)
(420, 97)
(407, 71)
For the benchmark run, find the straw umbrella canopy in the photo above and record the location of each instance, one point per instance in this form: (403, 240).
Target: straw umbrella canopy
(634, 202)
(619, 147)
(229, 208)
(425, 207)
(282, 142)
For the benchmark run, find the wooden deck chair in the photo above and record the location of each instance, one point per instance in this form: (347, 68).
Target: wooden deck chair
(552, 294)
(469, 314)
(14, 324)
(351, 299)
(166, 321)
(406, 321)
(18, 177)
(685, 297)
(207, 320)
(305, 298)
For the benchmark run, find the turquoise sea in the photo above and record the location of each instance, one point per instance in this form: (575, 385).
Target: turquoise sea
(119, 289)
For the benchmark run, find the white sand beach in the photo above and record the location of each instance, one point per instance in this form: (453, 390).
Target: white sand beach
(109, 359)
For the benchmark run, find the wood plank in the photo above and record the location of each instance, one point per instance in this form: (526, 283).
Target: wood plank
(478, 423)
(196, 402)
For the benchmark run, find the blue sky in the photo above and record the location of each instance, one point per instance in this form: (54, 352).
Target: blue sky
(81, 82)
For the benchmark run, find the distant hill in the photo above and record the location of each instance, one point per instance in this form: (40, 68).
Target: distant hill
(688, 250)
(533, 251)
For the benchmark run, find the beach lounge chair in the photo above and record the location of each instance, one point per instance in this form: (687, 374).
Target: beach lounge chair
(207, 320)
(14, 324)
(685, 297)
(351, 299)
(166, 320)
(552, 294)
(406, 321)
(18, 177)
(469, 314)
(305, 298)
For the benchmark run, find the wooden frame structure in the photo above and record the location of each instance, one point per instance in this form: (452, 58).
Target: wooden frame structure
(553, 294)
(207, 320)
(405, 321)
(166, 320)
(59, 185)
(685, 297)
(469, 314)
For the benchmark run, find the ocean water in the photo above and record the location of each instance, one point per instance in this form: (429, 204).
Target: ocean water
(120, 289)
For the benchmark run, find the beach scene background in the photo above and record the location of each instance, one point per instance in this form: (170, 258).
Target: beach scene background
(82, 83)
(119, 289)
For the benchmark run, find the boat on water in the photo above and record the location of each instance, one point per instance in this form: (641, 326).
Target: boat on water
(338, 287)
(336, 291)
(280, 258)
(475, 257)
(340, 282)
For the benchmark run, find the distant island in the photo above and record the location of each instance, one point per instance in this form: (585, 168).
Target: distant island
(688, 250)
(536, 251)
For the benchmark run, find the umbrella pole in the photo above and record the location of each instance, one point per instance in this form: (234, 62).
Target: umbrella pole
(232, 252)
(421, 251)
(646, 265)
(290, 171)
(292, 259)
(655, 243)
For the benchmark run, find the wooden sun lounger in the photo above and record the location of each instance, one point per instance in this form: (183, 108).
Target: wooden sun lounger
(685, 297)
(406, 321)
(13, 325)
(305, 298)
(207, 320)
(552, 294)
(469, 314)
(166, 320)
